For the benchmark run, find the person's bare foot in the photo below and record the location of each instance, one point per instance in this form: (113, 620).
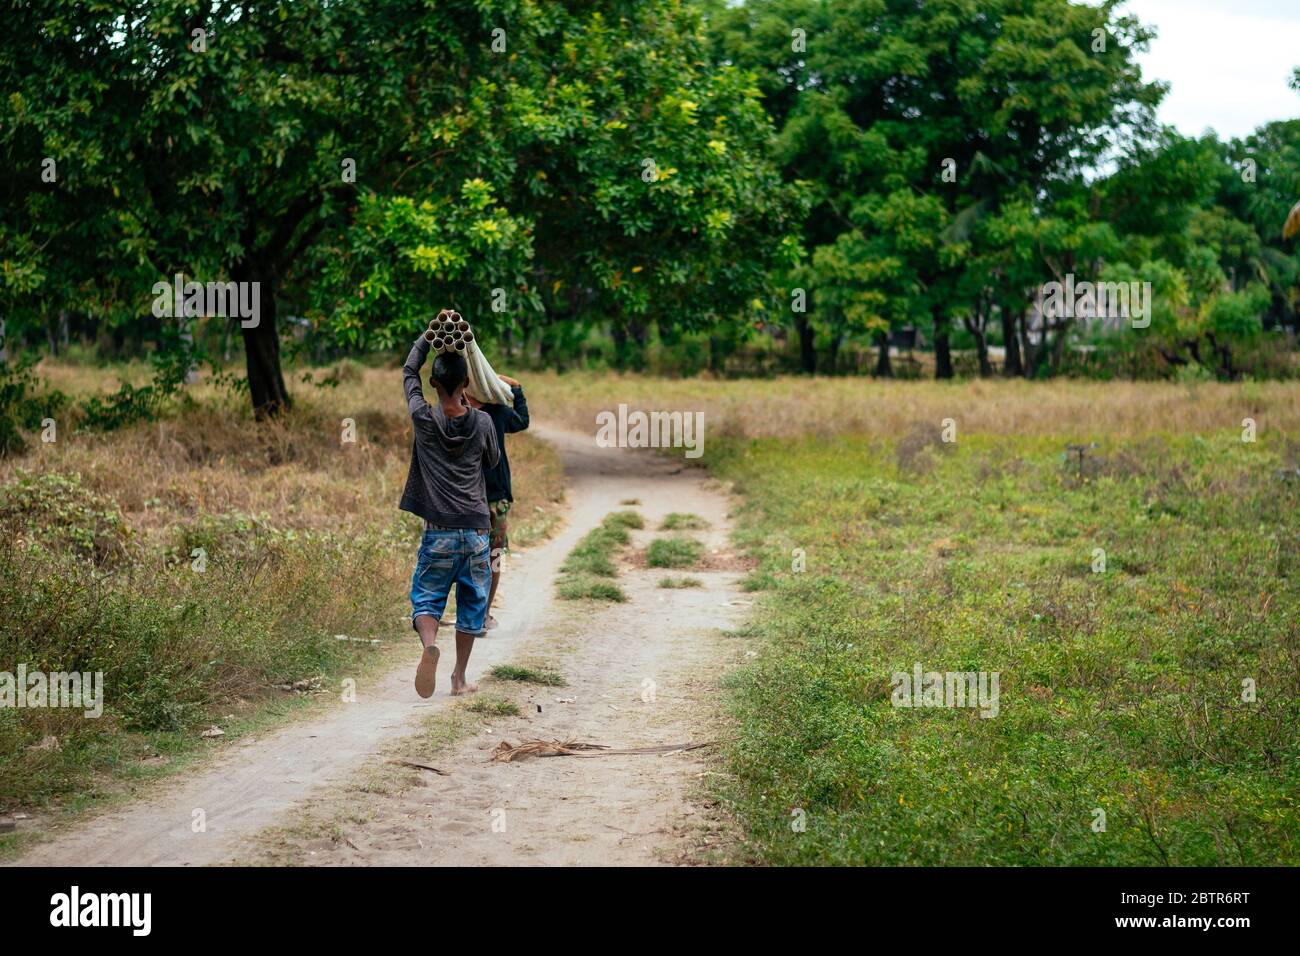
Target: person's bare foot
(426, 674)
(490, 623)
(460, 686)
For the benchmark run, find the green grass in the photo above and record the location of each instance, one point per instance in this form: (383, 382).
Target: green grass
(588, 567)
(595, 553)
(676, 583)
(681, 521)
(528, 675)
(757, 581)
(492, 706)
(1120, 691)
(178, 650)
(673, 552)
(625, 519)
(582, 587)
(590, 560)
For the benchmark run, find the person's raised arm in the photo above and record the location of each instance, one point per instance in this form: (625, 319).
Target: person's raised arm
(516, 417)
(411, 375)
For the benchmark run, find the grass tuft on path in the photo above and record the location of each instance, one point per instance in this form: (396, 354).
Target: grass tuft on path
(489, 706)
(682, 521)
(626, 519)
(674, 552)
(588, 567)
(678, 583)
(528, 675)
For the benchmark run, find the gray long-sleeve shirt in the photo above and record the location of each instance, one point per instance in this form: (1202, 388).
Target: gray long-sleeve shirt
(445, 483)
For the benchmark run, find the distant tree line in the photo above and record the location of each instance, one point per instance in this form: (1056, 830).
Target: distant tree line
(831, 172)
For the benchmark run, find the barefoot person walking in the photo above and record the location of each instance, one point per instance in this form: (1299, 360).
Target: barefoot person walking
(445, 486)
(507, 419)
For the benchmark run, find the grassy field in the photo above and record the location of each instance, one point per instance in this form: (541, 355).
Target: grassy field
(1124, 678)
(1122, 735)
(208, 565)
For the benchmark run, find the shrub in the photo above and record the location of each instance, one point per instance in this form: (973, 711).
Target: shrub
(23, 405)
(57, 511)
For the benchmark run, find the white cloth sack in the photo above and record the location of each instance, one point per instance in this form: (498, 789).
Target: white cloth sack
(484, 384)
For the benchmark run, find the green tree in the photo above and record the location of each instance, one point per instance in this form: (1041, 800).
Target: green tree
(588, 162)
(606, 174)
(1008, 97)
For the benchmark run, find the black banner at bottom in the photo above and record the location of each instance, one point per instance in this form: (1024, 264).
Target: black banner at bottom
(234, 905)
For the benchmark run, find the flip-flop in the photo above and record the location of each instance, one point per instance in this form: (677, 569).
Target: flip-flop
(426, 674)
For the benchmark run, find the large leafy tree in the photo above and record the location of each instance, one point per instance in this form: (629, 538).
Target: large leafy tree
(210, 140)
(1013, 96)
(605, 172)
(366, 164)
(1200, 218)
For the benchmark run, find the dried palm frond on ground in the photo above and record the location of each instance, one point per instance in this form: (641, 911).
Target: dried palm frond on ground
(507, 751)
(418, 766)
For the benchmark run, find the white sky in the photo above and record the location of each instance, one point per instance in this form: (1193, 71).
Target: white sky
(1227, 61)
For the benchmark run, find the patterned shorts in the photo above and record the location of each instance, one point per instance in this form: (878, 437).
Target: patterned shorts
(499, 538)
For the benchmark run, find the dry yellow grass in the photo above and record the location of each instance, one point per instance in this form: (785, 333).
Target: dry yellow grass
(791, 406)
(297, 535)
(296, 472)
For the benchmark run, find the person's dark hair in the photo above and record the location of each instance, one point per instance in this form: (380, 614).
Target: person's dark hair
(450, 371)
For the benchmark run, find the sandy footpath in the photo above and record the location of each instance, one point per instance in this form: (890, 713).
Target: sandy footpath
(640, 673)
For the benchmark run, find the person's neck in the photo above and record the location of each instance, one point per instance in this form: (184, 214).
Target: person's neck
(452, 406)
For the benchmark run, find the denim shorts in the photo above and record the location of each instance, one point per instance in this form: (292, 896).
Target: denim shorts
(450, 556)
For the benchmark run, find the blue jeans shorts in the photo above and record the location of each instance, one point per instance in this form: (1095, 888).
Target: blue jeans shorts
(450, 556)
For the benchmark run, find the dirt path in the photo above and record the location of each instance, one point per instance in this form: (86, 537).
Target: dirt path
(638, 673)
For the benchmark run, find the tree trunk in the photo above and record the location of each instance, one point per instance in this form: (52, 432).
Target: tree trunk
(619, 333)
(543, 347)
(833, 353)
(976, 325)
(187, 336)
(57, 331)
(1224, 353)
(1059, 343)
(1031, 352)
(942, 350)
(884, 369)
(640, 331)
(262, 354)
(807, 355)
(1011, 343)
(715, 355)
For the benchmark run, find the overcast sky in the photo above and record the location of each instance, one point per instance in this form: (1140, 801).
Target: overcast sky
(1227, 61)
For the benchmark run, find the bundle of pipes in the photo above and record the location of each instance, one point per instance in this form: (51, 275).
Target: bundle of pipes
(448, 332)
